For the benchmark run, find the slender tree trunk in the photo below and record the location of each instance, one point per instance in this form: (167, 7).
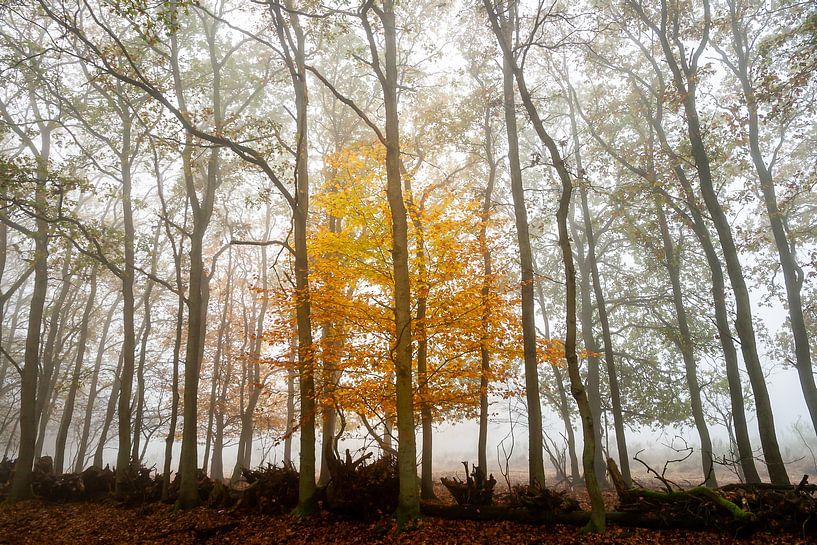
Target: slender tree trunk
(426, 452)
(332, 346)
(408, 504)
(294, 53)
(50, 351)
(564, 408)
(128, 312)
(217, 465)
(178, 253)
(21, 484)
(307, 503)
(701, 230)
(536, 467)
(593, 386)
(251, 376)
(15, 317)
(684, 79)
(140, 373)
(745, 451)
(217, 359)
(597, 518)
(786, 251)
(684, 343)
(487, 271)
(188, 461)
(174, 401)
(291, 375)
(68, 410)
(597, 521)
(110, 412)
(601, 306)
(92, 389)
(202, 211)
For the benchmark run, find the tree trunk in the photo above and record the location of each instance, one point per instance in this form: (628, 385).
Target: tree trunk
(684, 80)
(217, 361)
(564, 408)
(291, 375)
(128, 312)
(68, 410)
(408, 506)
(92, 389)
(50, 351)
(21, 484)
(786, 251)
(197, 309)
(593, 386)
(426, 451)
(701, 230)
(536, 467)
(217, 465)
(140, 373)
(109, 413)
(601, 306)
(597, 522)
(202, 212)
(684, 344)
(487, 271)
(178, 253)
(294, 53)
(597, 519)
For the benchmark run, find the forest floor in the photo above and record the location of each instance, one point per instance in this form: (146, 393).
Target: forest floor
(37, 522)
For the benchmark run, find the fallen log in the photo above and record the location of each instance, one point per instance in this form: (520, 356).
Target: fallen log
(529, 516)
(696, 502)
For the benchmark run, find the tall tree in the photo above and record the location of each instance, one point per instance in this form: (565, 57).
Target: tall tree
(685, 73)
(597, 518)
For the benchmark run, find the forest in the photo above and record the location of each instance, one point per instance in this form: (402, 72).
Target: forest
(277, 270)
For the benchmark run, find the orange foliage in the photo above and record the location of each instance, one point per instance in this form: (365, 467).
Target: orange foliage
(351, 292)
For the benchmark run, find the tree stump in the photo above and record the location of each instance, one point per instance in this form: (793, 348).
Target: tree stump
(474, 490)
